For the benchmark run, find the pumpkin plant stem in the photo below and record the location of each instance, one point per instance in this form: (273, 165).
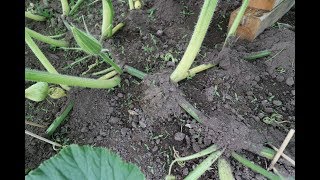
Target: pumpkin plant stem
(42, 138)
(41, 76)
(56, 123)
(109, 61)
(254, 167)
(42, 58)
(192, 72)
(29, 15)
(236, 21)
(134, 72)
(117, 28)
(75, 7)
(46, 39)
(194, 45)
(65, 7)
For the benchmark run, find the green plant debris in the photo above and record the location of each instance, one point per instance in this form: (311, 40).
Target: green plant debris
(236, 21)
(75, 7)
(60, 119)
(46, 39)
(258, 55)
(135, 72)
(37, 92)
(224, 170)
(254, 167)
(274, 119)
(107, 18)
(56, 92)
(267, 153)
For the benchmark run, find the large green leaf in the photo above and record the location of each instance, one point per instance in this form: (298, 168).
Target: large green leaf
(85, 162)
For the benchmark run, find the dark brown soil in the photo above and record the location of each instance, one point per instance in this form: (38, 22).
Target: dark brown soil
(141, 120)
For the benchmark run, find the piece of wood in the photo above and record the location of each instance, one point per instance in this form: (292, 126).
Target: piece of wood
(267, 5)
(255, 21)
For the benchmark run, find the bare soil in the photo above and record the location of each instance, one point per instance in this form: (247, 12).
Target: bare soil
(141, 120)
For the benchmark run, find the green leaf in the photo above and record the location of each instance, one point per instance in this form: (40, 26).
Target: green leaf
(85, 162)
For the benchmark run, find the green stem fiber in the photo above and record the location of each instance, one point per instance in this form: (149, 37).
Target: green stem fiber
(135, 72)
(204, 152)
(40, 76)
(131, 6)
(193, 48)
(109, 61)
(46, 39)
(254, 167)
(257, 55)
(56, 123)
(117, 28)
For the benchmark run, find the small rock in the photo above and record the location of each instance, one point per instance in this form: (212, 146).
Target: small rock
(293, 92)
(195, 147)
(179, 136)
(124, 131)
(290, 81)
(268, 110)
(158, 141)
(155, 149)
(120, 95)
(159, 32)
(84, 129)
(249, 93)
(277, 102)
(90, 141)
(170, 64)
(185, 171)
(265, 103)
(257, 78)
(114, 120)
(142, 124)
(280, 78)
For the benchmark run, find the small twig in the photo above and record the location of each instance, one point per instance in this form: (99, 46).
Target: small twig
(281, 149)
(34, 124)
(275, 55)
(283, 155)
(42, 138)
